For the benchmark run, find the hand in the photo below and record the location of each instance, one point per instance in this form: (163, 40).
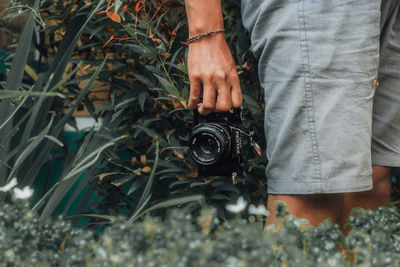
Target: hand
(212, 69)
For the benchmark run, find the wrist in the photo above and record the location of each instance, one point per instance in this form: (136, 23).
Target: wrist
(210, 33)
(197, 29)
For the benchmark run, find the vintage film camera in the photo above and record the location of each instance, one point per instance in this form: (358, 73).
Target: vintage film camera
(215, 143)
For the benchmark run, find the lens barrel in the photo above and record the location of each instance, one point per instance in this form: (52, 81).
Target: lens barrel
(209, 143)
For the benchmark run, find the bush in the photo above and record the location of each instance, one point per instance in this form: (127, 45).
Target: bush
(138, 51)
(181, 239)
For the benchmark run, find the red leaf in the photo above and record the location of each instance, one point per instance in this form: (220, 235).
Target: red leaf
(109, 2)
(114, 16)
(109, 40)
(101, 12)
(257, 148)
(138, 7)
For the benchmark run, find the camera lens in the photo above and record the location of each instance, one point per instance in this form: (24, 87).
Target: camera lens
(209, 143)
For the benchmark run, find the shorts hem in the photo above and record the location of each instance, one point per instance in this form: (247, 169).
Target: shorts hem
(387, 161)
(321, 187)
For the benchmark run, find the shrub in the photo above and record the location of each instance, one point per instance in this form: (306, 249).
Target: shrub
(181, 239)
(144, 46)
(138, 158)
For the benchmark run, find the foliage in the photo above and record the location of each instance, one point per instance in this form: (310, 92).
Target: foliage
(140, 49)
(185, 239)
(152, 35)
(138, 158)
(32, 123)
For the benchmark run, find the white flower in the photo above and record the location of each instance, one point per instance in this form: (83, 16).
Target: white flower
(238, 207)
(26, 192)
(260, 210)
(299, 222)
(10, 185)
(271, 227)
(102, 253)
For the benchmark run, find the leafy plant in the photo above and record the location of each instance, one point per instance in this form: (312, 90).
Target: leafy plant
(138, 158)
(150, 40)
(182, 239)
(31, 124)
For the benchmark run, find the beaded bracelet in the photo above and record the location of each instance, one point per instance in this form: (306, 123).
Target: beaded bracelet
(200, 36)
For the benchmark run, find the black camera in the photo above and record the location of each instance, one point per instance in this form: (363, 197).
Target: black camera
(215, 143)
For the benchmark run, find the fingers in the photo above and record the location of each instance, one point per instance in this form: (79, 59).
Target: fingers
(220, 96)
(224, 99)
(209, 97)
(212, 71)
(195, 91)
(229, 94)
(236, 95)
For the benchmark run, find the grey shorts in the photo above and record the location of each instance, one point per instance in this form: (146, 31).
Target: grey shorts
(327, 121)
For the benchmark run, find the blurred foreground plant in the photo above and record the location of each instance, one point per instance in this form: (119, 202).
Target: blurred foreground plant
(181, 239)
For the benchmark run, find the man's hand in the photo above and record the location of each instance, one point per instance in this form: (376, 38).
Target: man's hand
(213, 71)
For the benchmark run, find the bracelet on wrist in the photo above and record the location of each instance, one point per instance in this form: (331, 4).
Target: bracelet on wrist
(201, 36)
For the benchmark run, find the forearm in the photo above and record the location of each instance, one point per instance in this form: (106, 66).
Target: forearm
(204, 16)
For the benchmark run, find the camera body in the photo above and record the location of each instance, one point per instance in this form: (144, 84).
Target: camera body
(215, 143)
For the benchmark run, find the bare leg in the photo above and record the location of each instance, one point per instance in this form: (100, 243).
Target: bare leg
(372, 199)
(315, 208)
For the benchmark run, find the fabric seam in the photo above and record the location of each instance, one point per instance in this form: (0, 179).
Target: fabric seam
(308, 90)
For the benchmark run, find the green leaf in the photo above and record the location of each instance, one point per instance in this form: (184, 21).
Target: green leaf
(179, 183)
(5, 94)
(35, 141)
(139, 49)
(118, 4)
(182, 67)
(150, 132)
(33, 170)
(143, 80)
(14, 77)
(55, 140)
(15, 110)
(142, 99)
(14, 81)
(219, 197)
(174, 202)
(146, 192)
(97, 216)
(62, 186)
(169, 98)
(169, 87)
(252, 104)
(136, 185)
(125, 179)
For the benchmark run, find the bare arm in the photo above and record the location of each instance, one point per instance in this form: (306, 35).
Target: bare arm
(210, 63)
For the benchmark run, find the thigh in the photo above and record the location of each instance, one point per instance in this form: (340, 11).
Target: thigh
(386, 110)
(317, 64)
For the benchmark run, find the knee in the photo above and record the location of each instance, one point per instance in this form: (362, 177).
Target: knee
(382, 183)
(325, 202)
(382, 187)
